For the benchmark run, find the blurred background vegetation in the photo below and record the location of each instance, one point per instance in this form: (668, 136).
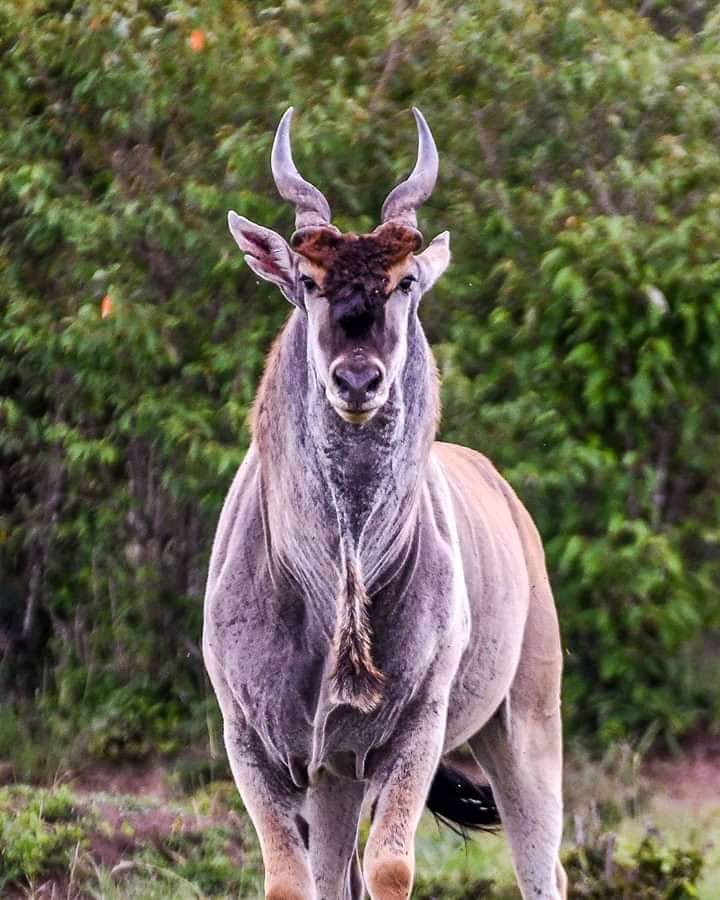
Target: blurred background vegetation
(577, 330)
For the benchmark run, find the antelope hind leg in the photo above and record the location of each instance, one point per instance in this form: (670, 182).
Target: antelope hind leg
(523, 760)
(520, 748)
(275, 806)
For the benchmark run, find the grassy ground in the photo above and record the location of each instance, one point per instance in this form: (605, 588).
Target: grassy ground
(132, 833)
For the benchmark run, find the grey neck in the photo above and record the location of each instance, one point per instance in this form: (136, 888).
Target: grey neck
(333, 490)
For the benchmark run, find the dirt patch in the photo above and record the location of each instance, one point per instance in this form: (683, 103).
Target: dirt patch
(124, 832)
(693, 778)
(146, 780)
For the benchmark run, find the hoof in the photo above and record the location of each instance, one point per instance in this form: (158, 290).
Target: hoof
(390, 879)
(284, 892)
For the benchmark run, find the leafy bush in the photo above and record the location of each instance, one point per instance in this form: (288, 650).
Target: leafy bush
(132, 724)
(654, 872)
(577, 330)
(39, 834)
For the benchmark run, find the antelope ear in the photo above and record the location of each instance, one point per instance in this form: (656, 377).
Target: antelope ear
(267, 254)
(433, 261)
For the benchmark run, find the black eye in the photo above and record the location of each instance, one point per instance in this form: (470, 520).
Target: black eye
(308, 283)
(406, 284)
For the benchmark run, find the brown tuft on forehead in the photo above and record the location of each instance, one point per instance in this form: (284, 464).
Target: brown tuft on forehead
(348, 261)
(397, 240)
(319, 245)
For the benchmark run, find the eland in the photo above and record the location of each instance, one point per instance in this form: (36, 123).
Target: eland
(375, 599)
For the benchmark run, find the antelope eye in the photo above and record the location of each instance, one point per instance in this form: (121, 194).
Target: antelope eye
(406, 284)
(308, 283)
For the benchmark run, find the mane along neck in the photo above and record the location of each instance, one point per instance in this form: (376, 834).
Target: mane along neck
(340, 501)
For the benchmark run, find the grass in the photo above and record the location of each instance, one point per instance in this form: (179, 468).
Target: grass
(107, 846)
(682, 825)
(200, 844)
(445, 861)
(40, 832)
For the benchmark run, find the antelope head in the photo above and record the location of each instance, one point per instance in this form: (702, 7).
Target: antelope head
(359, 292)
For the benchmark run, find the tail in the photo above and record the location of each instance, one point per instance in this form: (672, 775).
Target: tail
(462, 803)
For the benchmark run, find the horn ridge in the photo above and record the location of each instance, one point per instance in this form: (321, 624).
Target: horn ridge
(311, 207)
(402, 202)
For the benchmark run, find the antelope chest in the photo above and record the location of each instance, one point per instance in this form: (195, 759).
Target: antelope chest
(275, 659)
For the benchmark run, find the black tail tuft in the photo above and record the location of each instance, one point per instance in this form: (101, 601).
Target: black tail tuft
(462, 803)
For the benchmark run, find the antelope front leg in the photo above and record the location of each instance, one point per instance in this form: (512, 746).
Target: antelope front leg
(333, 813)
(275, 806)
(401, 783)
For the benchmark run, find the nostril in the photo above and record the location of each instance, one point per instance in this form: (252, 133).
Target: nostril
(341, 382)
(374, 383)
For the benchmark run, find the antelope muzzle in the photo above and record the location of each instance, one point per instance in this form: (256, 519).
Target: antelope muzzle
(357, 388)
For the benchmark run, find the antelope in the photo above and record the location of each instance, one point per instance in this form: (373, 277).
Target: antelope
(375, 599)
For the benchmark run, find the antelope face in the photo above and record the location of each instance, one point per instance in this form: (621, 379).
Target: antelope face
(357, 291)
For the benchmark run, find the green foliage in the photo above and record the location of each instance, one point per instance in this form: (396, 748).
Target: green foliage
(587, 359)
(202, 859)
(655, 872)
(468, 889)
(133, 723)
(39, 834)
(50, 838)
(616, 852)
(578, 330)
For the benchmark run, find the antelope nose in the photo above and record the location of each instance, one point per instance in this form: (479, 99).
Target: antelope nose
(357, 383)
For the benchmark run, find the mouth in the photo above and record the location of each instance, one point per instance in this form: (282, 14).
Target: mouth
(359, 414)
(359, 417)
